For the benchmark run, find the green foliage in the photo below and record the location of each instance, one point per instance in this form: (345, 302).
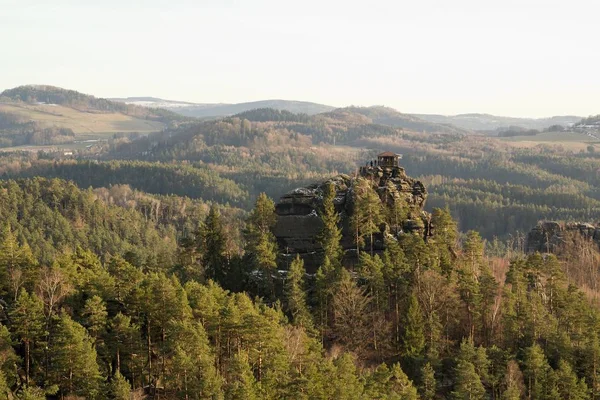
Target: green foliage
(74, 367)
(413, 338)
(428, 382)
(468, 383)
(119, 388)
(367, 214)
(331, 233)
(296, 295)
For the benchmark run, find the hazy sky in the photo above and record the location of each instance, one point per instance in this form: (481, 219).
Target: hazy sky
(509, 57)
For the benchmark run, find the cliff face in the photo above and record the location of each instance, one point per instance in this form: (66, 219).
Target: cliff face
(552, 237)
(299, 223)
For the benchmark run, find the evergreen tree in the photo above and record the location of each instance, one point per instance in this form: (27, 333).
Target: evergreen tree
(400, 385)
(428, 382)
(413, 338)
(535, 371)
(27, 323)
(73, 368)
(331, 234)
(119, 388)
(346, 385)
(296, 296)
(444, 237)
(193, 373)
(261, 244)
(95, 315)
(241, 384)
(468, 273)
(16, 264)
(467, 385)
(568, 385)
(121, 338)
(367, 213)
(384, 383)
(214, 247)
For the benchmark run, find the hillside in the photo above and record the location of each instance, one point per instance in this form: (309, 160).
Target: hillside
(487, 122)
(390, 117)
(47, 115)
(212, 110)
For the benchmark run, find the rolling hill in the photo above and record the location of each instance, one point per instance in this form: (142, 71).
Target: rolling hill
(212, 110)
(487, 122)
(47, 115)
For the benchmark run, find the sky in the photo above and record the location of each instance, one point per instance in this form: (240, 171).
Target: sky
(519, 58)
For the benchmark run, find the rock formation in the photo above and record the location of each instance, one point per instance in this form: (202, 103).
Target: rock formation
(552, 237)
(299, 223)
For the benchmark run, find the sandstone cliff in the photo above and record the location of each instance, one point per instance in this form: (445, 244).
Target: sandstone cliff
(552, 237)
(299, 223)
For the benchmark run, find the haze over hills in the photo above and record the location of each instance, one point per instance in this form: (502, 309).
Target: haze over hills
(380, 114)
(204, 110)
(488, 122)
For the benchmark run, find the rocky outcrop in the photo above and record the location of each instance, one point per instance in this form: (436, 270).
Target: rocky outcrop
(299, 223)
(552, 237)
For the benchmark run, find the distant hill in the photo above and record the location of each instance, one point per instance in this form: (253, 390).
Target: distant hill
(48, 115)
(487, 122)
(390, 117)
(208, 110)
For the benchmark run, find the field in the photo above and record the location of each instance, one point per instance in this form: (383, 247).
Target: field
(86, 125)
(569, 140)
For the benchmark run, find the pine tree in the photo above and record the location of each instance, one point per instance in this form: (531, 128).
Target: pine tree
(119, 388)
(241, 384)
(367, 213)
(488, 290)
(535, 371)
(261, 245)
(74, 368)
(16, 264)
(428, 382)
(331, 234)
(346, 385)
(468, 274)
(121, 338)
(193, 373)
(384, 383)
(325, 281)
(413, 339)
(568, 385)
(296, 295)
(400, 384)
(27, 323)
(467, 385)
(444, 236)
(214, 246)
(95, 315)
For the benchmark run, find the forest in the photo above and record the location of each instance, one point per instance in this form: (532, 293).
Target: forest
(122, 298)
(147, 267)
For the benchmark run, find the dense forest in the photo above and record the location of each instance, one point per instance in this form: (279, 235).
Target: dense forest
(120, 297)
(148, 267)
